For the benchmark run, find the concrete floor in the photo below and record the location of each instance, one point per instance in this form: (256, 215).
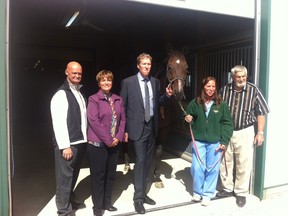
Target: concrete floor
(33, 182)
(33, 187)
(176, 191)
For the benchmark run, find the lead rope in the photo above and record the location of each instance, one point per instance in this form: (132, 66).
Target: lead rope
(196, 149)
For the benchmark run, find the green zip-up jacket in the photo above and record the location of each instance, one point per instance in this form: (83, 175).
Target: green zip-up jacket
(218, 126)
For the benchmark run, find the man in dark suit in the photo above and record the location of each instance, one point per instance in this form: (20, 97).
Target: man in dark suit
(140, 128)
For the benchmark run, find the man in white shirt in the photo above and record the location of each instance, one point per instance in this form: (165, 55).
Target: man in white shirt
(69, 120)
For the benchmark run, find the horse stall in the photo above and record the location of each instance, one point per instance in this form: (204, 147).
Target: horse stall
(109, 35)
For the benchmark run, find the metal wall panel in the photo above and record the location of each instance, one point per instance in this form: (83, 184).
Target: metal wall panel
(4, 201)
(219, 63)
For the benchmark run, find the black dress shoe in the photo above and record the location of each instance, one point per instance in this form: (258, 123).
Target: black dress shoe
(224, 194)
(240, 201)
(139, 208)
(76, 206)
(111, 208)
(98, 212)
(149, 201)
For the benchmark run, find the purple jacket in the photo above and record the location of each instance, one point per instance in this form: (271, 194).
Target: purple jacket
(99, 118)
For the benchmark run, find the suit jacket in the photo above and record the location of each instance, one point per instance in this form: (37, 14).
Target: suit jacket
(134, 107)
(99, 116)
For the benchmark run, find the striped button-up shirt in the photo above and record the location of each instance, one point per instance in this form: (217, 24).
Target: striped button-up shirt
(245, 105)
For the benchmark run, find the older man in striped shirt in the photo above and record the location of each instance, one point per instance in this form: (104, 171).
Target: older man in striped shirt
(248, 108)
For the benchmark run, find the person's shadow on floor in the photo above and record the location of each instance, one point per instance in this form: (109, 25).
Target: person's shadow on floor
(83, 189)
(185, 178)
(121, 183)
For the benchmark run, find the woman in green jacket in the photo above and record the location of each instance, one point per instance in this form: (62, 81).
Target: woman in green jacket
(212, 127)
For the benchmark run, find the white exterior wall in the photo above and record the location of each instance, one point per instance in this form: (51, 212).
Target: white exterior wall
(241, 8)
(277, 133)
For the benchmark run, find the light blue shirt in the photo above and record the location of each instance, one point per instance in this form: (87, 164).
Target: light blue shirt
(142, 86)
(208, 107)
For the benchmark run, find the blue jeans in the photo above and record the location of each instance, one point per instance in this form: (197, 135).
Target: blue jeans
(205, 171)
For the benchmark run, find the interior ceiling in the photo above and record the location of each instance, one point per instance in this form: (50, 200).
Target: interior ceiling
(110, 33)
(42, 17)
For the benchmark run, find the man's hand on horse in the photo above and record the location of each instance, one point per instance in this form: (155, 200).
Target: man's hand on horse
(188, 118)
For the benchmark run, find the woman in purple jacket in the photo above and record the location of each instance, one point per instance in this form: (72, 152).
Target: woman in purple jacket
(106, 117)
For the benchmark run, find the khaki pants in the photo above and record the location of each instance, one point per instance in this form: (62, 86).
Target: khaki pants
(240, 152)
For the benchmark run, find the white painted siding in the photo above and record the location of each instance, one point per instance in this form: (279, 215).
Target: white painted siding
(277, 133)
(241, 8)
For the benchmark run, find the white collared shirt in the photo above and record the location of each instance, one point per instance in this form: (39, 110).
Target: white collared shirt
(59, 109)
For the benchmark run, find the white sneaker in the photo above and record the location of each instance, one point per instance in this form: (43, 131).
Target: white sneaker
(196, 198)
(205, 201)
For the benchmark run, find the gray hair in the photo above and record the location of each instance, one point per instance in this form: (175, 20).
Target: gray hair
(238, 68)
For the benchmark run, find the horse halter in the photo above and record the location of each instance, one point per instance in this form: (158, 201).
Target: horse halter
(179, 61)
(174, 79)
(176, 71)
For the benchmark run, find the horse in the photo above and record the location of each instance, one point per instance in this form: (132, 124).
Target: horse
(175, 77)
(176, 73)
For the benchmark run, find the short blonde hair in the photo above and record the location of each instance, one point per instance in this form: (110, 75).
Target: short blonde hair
(238, 68)
(104, 73)
(142, 56)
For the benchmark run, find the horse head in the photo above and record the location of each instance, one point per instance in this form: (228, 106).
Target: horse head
(176, 73)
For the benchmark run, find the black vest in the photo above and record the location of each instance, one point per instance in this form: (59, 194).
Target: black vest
(73, 114)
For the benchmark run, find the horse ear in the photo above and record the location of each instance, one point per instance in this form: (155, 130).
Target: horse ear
(169, 49)
(185, 49)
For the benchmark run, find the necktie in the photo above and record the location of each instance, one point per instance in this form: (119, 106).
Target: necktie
(147, 103)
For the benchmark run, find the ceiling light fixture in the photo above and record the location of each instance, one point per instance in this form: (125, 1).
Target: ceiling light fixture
(72, 19)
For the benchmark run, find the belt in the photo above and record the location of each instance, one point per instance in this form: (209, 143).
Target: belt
(97, 144)
(241, 128)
